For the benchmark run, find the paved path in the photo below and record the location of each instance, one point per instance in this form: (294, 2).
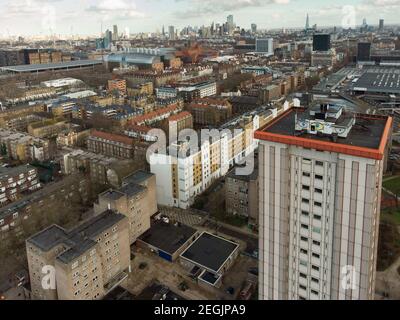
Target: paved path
(183, 216)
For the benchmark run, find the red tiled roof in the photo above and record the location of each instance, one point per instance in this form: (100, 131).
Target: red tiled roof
(137, 128)
(154, 114)
(210, 101)
(111, 137)
(179, 116)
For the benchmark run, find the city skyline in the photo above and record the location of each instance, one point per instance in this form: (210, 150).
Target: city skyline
(85, 17)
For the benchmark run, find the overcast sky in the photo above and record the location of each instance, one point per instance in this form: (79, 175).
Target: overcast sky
(84, 17)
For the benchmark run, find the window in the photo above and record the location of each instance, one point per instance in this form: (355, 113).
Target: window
(306, 174)
(305, 213)
(306, 201)
(317, 217)
(315, 268)
(303, 251)
(303, 239)
(315, 255)
(319, 177)
(316, 230)
(318, 190)
(315, 280)
(302, 275)
(317, 243)
(319, 163)
(306, 188)
(302, 287)
(314, 292)
(304, 226)
(317, 204)
(75, 265)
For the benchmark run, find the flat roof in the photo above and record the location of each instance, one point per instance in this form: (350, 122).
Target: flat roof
(168, 237)
(330, 82)
(367, 138)
(131, 189)
(51, 66)
(210, 252)
(79, 239)
(379, 81)
(14, 171)
(138, 177)
(250, 177)
(209, 277)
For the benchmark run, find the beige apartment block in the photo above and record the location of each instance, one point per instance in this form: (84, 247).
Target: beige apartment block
(89, 260)
(136, 199)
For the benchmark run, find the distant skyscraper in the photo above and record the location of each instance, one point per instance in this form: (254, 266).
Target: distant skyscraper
(115, 36)
(230, 20)
(307, 22)
(364, 51)
(230, 24)
(171, 32)
(163, 30)
(265, 46)
(381, 24)
(253, 28)
(322, 42)
(107, 39)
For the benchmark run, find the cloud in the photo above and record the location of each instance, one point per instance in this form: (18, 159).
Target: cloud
(116, 9)
(379, 3)
(199, 8)
(41, 11)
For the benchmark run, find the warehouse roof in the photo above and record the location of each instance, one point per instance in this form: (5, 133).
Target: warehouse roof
(210, 252)
(168, 237)
(379, 81)
(51, 66)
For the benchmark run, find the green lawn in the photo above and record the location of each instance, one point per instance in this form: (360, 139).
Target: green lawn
(392, 185)
(391, 216)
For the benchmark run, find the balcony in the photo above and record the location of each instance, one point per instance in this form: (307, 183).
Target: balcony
(114, 282)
